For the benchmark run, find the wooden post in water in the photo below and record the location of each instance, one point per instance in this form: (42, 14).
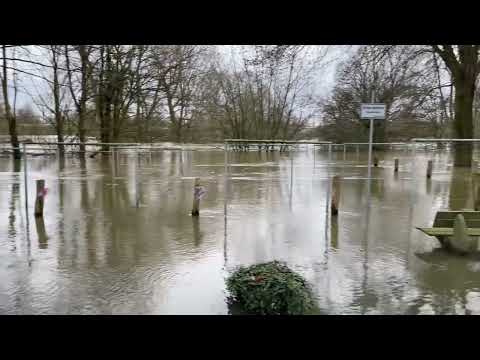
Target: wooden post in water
(429, 169)
(197, 193)
(335, 194)
(42, 234)
(396, 166)
(40, 196)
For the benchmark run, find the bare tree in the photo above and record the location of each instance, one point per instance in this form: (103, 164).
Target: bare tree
(57, 111)
(464, 65)
(79, 90)
(178, 69)
(402, 79)
(10, 116)
(270, 94)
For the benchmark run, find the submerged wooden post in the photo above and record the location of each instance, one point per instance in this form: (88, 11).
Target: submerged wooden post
(429, 169)
(198, 192)
(335, 194)
(41, 192)
(396, 166)
(42, 234)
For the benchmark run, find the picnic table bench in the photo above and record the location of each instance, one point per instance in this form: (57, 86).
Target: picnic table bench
(454, 232)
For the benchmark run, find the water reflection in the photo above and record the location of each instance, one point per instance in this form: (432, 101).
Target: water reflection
(460, 189)
(14, 195)
(450, 280)
(98, 253)
(197, 235)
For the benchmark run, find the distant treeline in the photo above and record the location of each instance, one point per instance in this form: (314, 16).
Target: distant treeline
(197, 93)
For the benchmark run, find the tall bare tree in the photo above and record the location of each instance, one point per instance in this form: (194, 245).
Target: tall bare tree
(402, 79)
(269, 94)
(464, 65)
(178, 69)
(79, 90)
(9, 115)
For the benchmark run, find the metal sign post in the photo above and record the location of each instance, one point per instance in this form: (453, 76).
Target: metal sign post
(372, 112)
(225, 180)
(370, 140)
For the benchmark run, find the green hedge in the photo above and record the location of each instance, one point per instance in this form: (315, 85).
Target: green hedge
(270, 289)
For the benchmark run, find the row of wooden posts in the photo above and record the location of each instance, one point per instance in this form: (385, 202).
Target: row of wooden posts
(198, 189)
(42, 191)
(334, 205)
(396, 163)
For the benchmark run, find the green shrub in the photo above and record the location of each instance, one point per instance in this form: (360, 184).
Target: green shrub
(270, 289)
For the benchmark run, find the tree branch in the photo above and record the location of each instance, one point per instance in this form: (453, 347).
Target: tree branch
(449, 58)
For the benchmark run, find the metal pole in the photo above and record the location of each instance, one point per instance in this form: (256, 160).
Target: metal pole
(112, 160)
(327, 199)
(370, 140)
(291, 177)
(414, 155)
(314, 156)
(369, 173)
(225, 244)
(137, 198)
(181, 161)
(225, 179)
(25, 178)
(150, 157)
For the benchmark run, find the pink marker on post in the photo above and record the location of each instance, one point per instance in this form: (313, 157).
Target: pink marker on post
(43, 192)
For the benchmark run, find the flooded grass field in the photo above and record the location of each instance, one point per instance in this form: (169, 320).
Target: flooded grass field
(96, 252)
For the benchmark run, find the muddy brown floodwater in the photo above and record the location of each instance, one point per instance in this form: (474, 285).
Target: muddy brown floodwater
(95, 252)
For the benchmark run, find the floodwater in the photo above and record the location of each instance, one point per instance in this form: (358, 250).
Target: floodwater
(96, 252)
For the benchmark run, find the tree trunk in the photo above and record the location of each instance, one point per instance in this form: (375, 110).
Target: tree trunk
(464, 68)
(464, 94)
(60, 138)
(117, 120)
(104, 97)
(105, 114)
(175, 122)
(179, 131)
(12, 122)
(139, 122)
(82, 49)
(56, 99)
